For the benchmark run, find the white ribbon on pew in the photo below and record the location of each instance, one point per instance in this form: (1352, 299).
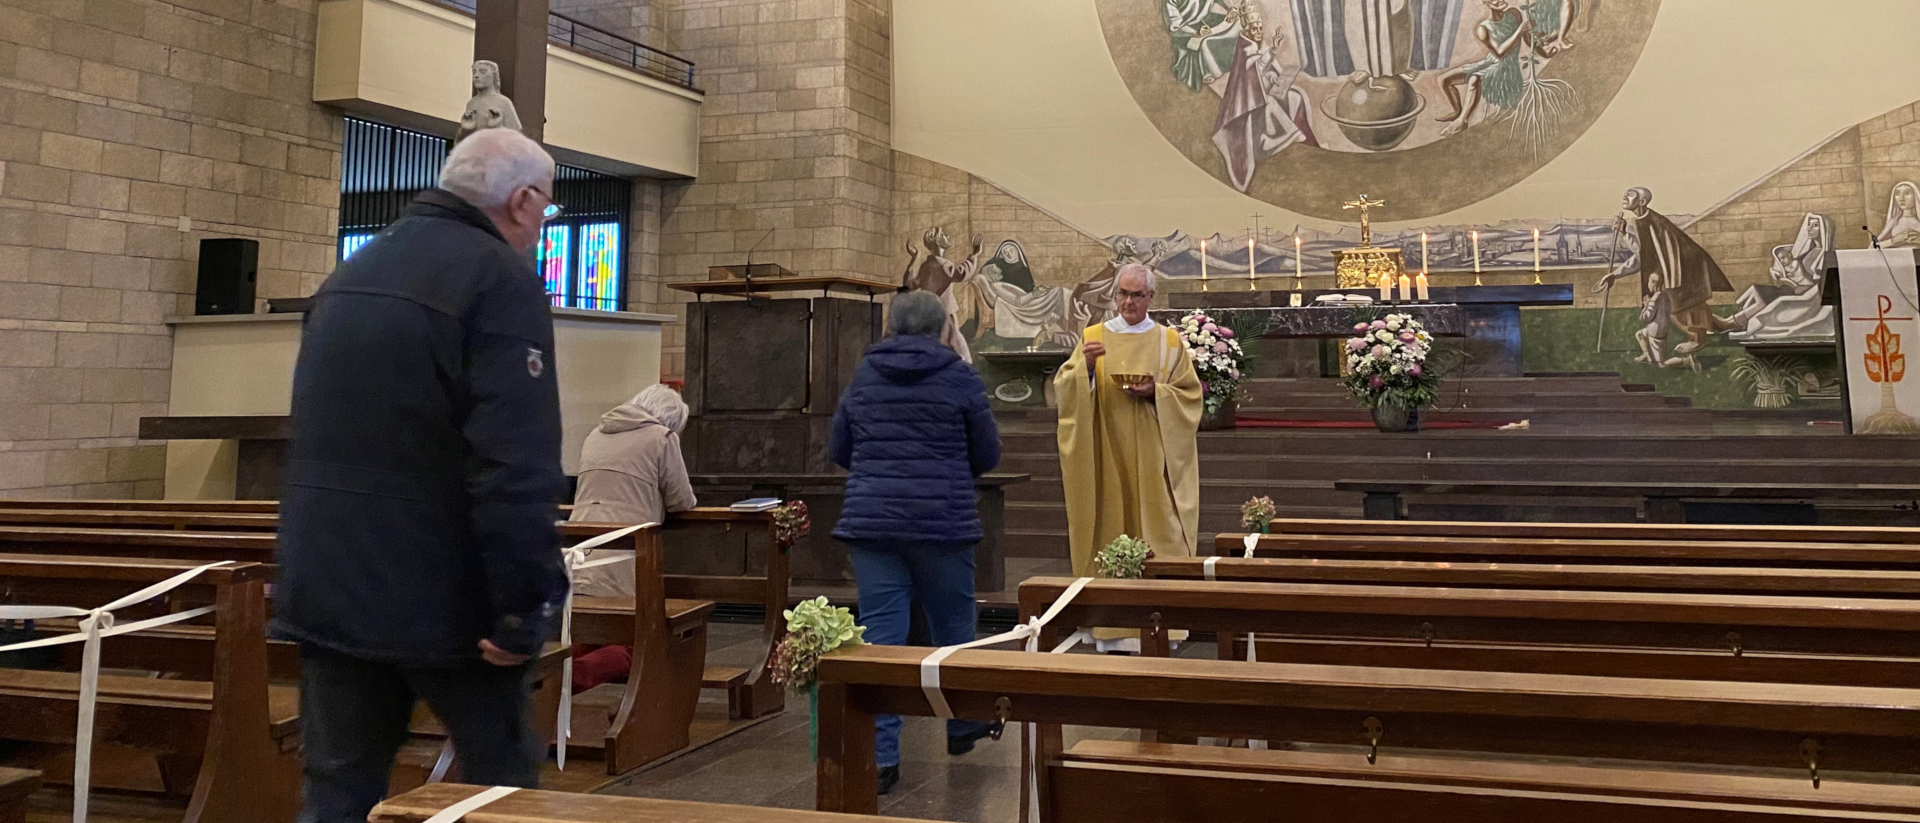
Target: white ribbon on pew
(576, 560)
(95, 625)
(1028, 631)
(1253, 656)
(455, 812)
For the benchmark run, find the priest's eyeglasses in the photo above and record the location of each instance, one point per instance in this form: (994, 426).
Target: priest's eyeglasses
(1124, 294)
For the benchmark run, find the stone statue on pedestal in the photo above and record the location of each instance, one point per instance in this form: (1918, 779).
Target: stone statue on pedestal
(489, 108)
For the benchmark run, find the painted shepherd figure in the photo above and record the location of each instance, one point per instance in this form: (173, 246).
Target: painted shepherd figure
(1687, 273)
(937, 275)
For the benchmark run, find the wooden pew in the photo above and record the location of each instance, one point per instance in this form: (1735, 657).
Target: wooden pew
(1676, 724)
(229, 742)
(1237, 786)
(1663, 502)
(1828, 640)
(423, 803)
(1546, 576)
(1592, 531)
(668, 636)
(15, 786)
(194, 506)
(1523, 549)
(750, 692)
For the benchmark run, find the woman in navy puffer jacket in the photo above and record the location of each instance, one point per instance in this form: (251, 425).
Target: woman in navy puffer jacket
(913, 430)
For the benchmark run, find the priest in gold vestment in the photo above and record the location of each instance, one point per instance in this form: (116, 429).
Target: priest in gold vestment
(1128, 455)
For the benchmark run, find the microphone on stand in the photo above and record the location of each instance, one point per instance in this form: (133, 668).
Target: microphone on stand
(750, 249)
(1875, 241)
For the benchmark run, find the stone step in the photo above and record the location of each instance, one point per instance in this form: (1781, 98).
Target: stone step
(1448, 400)
(1558, 444)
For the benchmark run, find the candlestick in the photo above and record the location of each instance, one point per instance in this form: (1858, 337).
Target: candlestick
(1297, 274)
(1252, 267)
(1420, 286)
(1406, 288)
(1203, 265)
(1423, 252)
(1536, 253)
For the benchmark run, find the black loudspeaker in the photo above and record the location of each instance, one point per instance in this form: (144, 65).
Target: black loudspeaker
(228, 268)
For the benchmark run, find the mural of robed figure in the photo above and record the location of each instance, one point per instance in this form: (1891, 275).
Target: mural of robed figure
(1688, 275)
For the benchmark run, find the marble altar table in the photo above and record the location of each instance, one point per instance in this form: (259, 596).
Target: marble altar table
(1293, 322)
(1491, 315)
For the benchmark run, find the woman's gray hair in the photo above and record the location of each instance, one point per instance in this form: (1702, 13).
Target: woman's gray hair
(917, 314)
(661, 401)
(491, 164)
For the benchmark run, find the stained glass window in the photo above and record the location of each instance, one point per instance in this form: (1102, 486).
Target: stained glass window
(599, 267)
(556, 260)
(350, 243)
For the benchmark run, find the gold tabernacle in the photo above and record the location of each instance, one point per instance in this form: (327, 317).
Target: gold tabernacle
(1364, 265)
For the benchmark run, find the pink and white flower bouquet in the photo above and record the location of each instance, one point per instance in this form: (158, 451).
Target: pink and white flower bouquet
(1217, 357)
(1386, 361)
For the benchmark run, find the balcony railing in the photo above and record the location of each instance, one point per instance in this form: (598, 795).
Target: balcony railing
(606, 45)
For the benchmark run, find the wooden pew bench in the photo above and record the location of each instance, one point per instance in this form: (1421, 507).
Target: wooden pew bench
(197, 506)
(1662, 502)
(1525, 549)
(423, 803)
(1590, 531)
(228, 742)
(673, 661)
(1666, 724)
(15, 786)
(1827, 640)
(1546, 576)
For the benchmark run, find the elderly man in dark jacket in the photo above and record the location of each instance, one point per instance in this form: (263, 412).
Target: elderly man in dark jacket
(914, 430)
(418, 557)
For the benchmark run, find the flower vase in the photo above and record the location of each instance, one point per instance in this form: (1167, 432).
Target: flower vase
(1222, 419)
(1391, 417)
(813, 721)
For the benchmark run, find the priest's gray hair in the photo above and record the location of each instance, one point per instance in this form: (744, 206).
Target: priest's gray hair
(491, 164)
(661, 401)
(917, 314)
(1645, 194)
(1140, 270)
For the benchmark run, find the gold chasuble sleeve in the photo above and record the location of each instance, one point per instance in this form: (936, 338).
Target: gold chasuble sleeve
(1128, 465)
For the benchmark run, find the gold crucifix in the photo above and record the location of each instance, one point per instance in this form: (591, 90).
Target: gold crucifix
(1366, 222)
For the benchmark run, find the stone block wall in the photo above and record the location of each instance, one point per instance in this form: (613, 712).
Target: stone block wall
(1742, 232)
(130, 129)
(1889, 154)
(795, 144)
(636, 20)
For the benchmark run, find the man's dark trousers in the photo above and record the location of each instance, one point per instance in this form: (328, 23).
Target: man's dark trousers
(354, 715)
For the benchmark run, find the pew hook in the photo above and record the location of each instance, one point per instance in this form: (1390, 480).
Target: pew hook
(1810, 752)
(1002, 708)
(1733, 640)
(1374, 732)
(1427, 633)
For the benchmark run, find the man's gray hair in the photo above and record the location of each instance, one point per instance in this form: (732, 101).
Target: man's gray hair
(917, 314)
(1136, 270)
(490, 165)
(664, 404)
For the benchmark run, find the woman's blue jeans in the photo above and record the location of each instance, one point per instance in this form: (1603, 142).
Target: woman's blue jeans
(893, 577)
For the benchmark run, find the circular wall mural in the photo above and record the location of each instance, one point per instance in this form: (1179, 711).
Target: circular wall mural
(1431, 104)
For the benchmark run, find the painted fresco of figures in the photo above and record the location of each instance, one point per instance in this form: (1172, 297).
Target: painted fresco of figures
(1012, 306)
(1518, 38)
(1902, 230)
(1673, 270)
(1790, 308)
(1204, 34)
(938, 275)
(1260, 110)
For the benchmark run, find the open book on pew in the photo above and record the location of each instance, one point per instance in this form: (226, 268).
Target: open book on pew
(756, 504)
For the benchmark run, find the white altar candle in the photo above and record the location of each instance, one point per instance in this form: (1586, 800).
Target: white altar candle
(1476, 251)
(1296, 261)
(1386, 288)
(1423, 253)
(1406, 288)
(1536, 249)
(1420, 286)
(1203, 265)
(1252, 267)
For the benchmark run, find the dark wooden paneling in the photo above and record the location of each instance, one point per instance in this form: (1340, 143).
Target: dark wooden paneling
(753, 356)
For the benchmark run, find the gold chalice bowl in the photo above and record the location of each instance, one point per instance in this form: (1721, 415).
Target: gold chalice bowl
(1127, 381)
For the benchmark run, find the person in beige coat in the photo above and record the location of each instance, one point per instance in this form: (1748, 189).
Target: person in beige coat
(631, 471)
